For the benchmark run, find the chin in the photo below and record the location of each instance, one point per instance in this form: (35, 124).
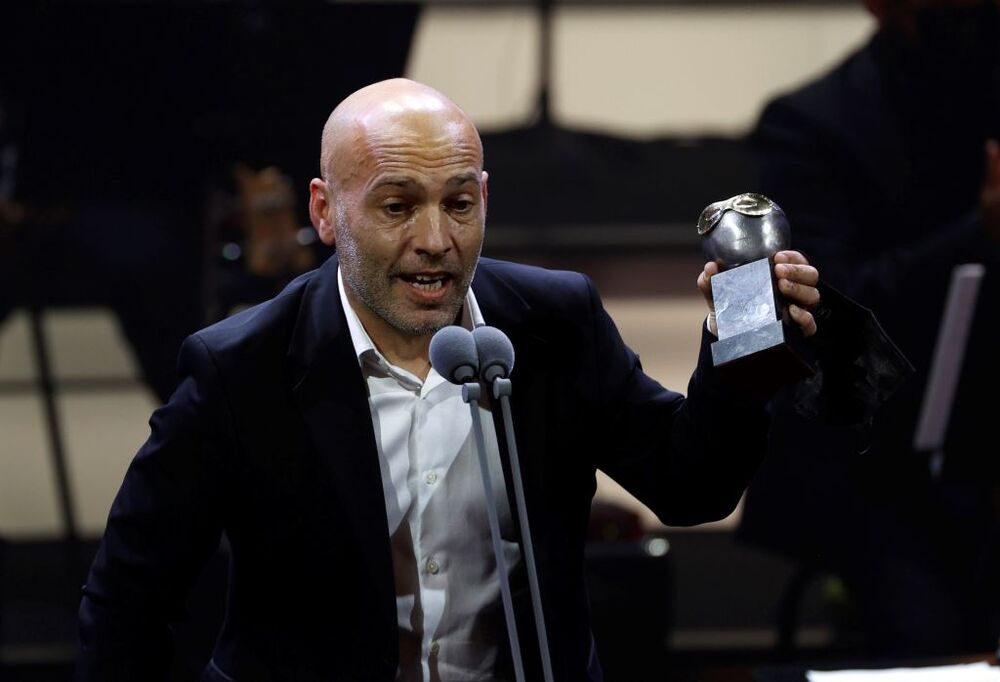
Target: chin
(424, 324)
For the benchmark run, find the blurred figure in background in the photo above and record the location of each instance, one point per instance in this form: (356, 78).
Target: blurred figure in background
(118, 120)
(82, 223)
(889, 172)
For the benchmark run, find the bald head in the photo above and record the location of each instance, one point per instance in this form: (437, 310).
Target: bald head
(386, 112)
(403, 198)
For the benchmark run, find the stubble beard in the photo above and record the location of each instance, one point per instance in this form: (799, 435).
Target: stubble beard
(375, 290)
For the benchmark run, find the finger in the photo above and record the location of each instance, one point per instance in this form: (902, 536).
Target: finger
(790, 257)
(704, 281)
(803, 274)
(703, 284)
(711, 269)
(804, 295)
(804, 319)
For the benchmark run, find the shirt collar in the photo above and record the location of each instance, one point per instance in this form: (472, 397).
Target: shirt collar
(471, 317)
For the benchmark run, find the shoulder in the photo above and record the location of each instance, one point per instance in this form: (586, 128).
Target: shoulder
(267, 326)
(829, 101)
(552, 294)
(557, 306)
(536, 285)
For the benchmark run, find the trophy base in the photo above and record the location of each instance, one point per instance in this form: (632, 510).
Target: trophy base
(767, 357)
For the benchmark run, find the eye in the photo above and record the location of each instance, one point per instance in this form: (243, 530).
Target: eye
(396, 208)
(461, 206)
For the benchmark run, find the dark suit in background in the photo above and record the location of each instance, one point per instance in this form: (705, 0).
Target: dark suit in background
(879, 166)
(269, 439)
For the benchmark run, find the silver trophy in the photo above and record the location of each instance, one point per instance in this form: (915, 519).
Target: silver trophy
(741, 235)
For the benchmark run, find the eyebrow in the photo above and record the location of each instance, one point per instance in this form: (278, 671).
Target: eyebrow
(395, 181)
(464, 178)
(403, 181)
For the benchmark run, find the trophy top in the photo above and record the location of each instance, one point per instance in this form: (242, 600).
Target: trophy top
(742, 229)
(748, 203)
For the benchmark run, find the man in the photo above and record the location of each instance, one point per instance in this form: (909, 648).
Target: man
(313, 431)
(881, 173)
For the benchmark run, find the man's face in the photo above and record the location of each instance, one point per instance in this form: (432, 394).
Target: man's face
(408, 213)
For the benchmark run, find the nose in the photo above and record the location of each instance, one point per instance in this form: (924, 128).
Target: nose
(431, 235)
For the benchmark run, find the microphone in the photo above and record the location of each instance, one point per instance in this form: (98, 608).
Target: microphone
(495, 352)
(454, 356)
(496, 360)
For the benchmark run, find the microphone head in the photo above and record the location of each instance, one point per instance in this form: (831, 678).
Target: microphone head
(496, 353)
(453, 355)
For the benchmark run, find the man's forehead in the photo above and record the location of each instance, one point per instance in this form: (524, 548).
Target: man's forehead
(414, 147)
(434, 129)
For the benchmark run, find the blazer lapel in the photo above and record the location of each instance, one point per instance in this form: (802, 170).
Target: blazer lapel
(531, 383)
(329, 390)
(503, 308)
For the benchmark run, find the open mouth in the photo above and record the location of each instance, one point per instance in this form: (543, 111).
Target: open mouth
(427, 282)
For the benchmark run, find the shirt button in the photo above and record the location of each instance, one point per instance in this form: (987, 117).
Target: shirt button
(431, 478)
(435, 648)
(433, 567)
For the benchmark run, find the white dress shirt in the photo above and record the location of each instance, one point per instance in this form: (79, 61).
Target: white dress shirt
(448, 606)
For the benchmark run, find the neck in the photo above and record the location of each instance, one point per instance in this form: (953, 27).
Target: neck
(410, 352)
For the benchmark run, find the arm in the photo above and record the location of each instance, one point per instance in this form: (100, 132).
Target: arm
(709, 444)
(688, 459)
(164, 525)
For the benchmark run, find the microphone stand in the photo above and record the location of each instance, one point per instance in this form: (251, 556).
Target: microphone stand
(501, 391)
(471, 392)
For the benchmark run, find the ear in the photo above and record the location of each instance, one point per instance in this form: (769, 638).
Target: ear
(321, 211)
(485, 190)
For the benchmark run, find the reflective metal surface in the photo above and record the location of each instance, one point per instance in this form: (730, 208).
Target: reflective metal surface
(741, 229)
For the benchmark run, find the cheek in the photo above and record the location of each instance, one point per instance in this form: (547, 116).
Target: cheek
(469, 228)
(472, 236)
(376, 251)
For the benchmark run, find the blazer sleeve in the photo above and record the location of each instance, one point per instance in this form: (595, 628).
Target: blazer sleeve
(689, 459)
(164, 524)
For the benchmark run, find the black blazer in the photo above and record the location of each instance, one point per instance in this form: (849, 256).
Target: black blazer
(269, 438)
